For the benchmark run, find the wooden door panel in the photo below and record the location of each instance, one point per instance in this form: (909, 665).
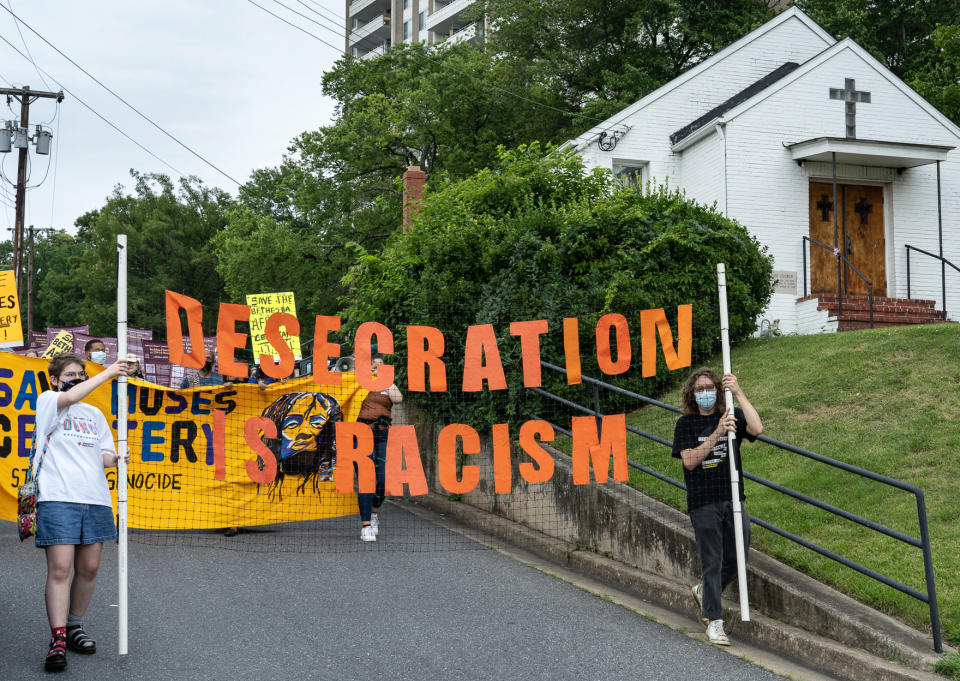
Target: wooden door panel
(823, 263)
(865, 243)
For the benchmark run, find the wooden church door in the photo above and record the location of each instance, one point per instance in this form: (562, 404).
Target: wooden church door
(860, 226)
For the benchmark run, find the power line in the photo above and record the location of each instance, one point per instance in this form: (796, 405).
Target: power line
(25, 46)
(94, 111)
(288, 23)
(125, 102)
(438, 62)
(314, 21)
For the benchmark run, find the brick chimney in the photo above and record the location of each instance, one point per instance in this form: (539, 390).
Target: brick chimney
(413, 181)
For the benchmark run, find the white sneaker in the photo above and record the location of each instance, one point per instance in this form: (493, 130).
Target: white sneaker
(375, 524)
(697, 590)
(367, 533)
(715, 633)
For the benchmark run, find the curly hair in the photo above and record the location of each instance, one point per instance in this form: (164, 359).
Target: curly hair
(313, 464)
(61, 362)
(688, 401)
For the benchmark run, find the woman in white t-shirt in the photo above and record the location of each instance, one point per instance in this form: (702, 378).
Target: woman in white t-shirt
(74, 511)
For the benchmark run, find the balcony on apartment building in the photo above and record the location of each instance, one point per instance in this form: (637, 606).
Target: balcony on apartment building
(375, 52)
(373, 32)
(365, 10)
(450, 17)
(471, 32)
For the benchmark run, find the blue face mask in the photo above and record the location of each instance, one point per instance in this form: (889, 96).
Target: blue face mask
(706, 399)
(98, 356)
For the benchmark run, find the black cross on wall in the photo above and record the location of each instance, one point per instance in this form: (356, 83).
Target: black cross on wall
(825, 205)
(851, 96)
(864, 209)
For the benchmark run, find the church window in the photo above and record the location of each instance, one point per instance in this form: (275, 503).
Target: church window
(630, 173)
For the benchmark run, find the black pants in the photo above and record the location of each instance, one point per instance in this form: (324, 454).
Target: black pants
(716, 545)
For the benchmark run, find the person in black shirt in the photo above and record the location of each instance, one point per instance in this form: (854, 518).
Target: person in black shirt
(700, 441)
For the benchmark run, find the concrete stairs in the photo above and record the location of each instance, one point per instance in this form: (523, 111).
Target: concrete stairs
(886, 311)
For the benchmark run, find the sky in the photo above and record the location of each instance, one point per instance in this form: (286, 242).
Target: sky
(225, 78)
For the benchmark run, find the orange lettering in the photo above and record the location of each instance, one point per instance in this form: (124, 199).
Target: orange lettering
(589, 450)
(653, 322)
(324, 350)
(174, 303)
(481, 344)
(604, 361)
(354, 447)
(364, 361)
(264, 456)
(400, 441)
(425, 347)
(530, 333)
(447, 458)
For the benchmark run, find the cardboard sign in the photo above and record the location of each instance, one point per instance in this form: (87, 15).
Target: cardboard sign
(11, 330)
(262, 305)
(59, 345)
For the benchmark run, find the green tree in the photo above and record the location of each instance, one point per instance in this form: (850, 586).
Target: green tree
(445, 109)
(168, 228)
(538, 237)
(602, 55)
(918, 41)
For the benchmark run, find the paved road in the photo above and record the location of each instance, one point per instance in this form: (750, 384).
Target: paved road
(200, 612)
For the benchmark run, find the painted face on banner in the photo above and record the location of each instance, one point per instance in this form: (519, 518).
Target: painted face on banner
(301, 427)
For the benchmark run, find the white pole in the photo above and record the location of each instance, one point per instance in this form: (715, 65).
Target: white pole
(122, 446)
(734, 473)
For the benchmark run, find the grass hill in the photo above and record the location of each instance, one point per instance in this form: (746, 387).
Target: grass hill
(887, 400)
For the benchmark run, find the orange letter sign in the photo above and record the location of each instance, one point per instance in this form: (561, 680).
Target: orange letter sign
(588, 449)
(174, 302)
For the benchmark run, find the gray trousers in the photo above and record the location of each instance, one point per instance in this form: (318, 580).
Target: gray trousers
(716, 546)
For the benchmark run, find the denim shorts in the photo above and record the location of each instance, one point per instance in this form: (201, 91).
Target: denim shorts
(61, 522)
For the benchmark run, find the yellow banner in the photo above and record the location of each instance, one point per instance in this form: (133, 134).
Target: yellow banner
(63, 342)
(262, 305)
(180, 442)
(11, 330)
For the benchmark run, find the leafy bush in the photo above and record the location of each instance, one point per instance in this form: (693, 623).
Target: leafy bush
(538, 237)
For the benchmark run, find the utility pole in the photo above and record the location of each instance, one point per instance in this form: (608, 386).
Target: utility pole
(21, 137)
(30, 284)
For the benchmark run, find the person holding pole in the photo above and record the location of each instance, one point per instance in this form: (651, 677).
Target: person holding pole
(74, 511)
(700, 440)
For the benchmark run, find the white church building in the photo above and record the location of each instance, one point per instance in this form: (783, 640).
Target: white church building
(779, 128)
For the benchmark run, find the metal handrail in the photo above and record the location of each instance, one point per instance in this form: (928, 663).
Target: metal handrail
(943, 260)
(840, 256)
(923, 543)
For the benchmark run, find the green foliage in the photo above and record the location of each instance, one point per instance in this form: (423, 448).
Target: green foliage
(902, 36)
(537, 237)
(605, 54)
(168, 233)
(444, 109)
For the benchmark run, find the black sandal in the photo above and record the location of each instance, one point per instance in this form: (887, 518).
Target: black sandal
(56, 660)
(79, 642)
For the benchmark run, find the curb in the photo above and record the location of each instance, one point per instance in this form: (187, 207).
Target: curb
(811, 650)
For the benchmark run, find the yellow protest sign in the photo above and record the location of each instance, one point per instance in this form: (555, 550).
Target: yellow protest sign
(11, 330)
(262, 305)
(190, 450)
(61, 344)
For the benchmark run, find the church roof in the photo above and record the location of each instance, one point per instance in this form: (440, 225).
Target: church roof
(791, 14)
(742, 96)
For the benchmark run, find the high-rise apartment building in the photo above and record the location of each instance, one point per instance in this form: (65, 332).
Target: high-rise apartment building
(373, 25)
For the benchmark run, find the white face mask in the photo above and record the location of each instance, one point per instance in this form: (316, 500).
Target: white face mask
(98, 356)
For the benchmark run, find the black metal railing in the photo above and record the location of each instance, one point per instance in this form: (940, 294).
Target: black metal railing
(840, 256)
(943, 276)
(923, 543)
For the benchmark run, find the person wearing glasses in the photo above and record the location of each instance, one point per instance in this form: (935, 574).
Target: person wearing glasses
(74, 512)
(700, 442)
